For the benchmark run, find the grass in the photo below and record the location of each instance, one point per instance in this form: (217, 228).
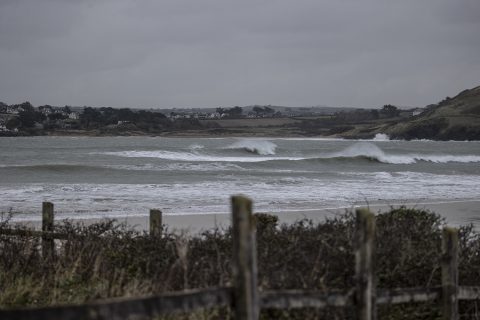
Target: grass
(111, 260)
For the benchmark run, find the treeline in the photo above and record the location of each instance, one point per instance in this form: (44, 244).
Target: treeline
(24, 118)
(92, 117)
(110, 119)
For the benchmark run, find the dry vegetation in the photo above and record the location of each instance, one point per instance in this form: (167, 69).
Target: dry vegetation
(108, 260)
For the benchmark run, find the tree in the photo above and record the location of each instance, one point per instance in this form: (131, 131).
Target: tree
(28, 115)
(126, 114)
(67, 109)
(56, 116)
(13, 123)
(26, 106)
(90, 116)
(258, 110)
(268, 110)
(390, 111)
(235, 111)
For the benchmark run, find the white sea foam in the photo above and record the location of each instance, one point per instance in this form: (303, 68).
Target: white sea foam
(261, 147)
(358, 150)
(381, 137)
(192, 179)
(270, 193)
(370, 150)
(196, 146)
(193, 156)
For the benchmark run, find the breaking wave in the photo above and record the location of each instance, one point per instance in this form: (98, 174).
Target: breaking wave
(372, 152)
(260, 147)
(361, 151)
(190, 156)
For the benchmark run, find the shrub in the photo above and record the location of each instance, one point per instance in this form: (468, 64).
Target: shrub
(109, 260)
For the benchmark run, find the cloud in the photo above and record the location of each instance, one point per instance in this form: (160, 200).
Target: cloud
(218, 53)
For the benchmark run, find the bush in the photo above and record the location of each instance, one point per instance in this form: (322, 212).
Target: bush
(109, 260)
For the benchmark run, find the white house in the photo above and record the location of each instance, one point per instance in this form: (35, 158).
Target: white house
(74, 115)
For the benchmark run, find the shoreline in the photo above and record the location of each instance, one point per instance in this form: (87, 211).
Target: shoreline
(456, 213)
(206, 135)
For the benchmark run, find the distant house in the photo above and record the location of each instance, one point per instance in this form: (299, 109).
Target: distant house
(46, 110)
(74, 115)
(13, 109)
(64, 113)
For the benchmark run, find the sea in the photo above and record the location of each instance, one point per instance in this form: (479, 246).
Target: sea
(117, 177)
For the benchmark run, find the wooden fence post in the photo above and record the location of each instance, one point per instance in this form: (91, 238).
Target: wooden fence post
(364, 265)
(246, 301)
(48, 244)
(155, 222)
(450, 274)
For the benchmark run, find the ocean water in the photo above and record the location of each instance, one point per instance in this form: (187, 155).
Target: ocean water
(91, 177)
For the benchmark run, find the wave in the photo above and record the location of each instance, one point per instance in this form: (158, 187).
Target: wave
(372, 152)
(190, 156)
(260, 147)
(361, 151)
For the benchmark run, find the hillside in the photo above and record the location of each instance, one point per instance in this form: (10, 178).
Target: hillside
(456, 118)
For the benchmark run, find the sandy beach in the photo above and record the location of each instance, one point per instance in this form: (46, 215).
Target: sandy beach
(456, 213)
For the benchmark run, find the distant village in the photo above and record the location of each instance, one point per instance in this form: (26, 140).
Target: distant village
(17, 116)
(25, 118)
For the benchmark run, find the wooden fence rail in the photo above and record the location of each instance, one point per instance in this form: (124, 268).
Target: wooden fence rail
(243, 297)
(124, 308)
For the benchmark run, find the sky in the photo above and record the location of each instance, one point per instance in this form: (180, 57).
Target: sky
(212, 53)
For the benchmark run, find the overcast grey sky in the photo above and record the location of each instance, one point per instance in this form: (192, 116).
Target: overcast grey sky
(210, 53)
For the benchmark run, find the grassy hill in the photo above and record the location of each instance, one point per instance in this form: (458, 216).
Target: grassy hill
(456, 118)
